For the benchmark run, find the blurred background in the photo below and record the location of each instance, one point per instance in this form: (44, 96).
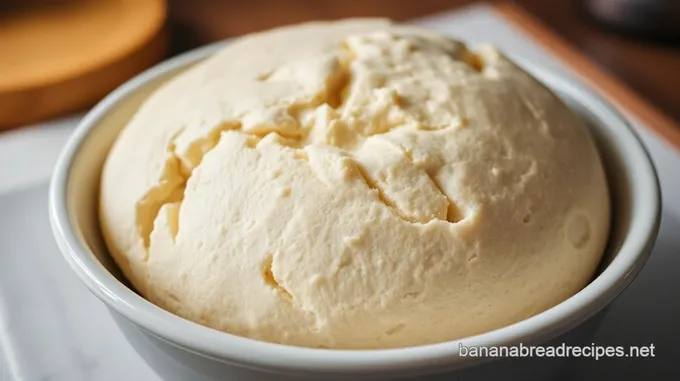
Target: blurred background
(61, 56)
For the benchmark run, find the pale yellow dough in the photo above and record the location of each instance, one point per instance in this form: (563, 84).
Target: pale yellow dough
(355, 184)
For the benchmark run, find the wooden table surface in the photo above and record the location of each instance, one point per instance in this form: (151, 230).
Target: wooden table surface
(651, 70)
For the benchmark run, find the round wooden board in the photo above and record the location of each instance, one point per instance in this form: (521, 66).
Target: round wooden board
(60, 56)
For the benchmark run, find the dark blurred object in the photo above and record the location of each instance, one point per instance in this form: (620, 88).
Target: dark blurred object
(652, 19)
(11, 5)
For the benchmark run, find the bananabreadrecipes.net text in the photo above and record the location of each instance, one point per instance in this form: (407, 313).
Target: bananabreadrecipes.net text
(590, 351)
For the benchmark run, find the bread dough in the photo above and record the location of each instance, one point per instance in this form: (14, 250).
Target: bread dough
(355, 184)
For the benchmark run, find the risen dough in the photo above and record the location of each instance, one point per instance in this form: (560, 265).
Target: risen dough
(355, 184)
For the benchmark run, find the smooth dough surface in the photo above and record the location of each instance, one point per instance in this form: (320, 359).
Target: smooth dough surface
(355, 184)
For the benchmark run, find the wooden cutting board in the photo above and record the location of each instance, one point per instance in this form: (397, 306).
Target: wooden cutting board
(59, 56)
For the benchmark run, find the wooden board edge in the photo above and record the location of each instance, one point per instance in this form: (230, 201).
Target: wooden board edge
(611, 87)
(87, 84)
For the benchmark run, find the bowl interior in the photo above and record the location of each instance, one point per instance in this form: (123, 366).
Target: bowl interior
(83, 182)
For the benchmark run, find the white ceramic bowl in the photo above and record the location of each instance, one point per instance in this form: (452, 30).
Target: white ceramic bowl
(181, 350)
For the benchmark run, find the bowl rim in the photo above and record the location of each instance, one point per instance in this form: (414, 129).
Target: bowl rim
(252, 353)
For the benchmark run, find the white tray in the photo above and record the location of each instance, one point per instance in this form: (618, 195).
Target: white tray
(53, 329)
